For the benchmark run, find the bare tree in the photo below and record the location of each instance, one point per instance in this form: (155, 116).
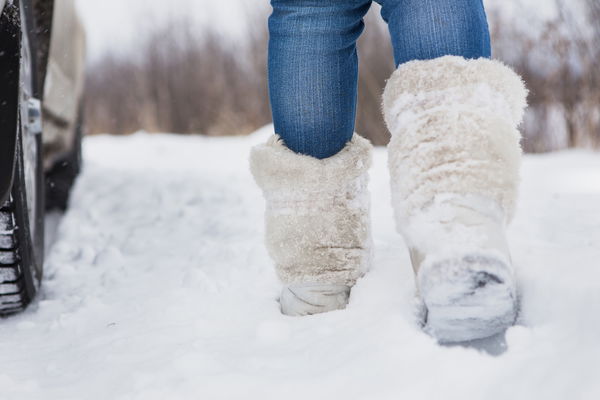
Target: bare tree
(184, 82)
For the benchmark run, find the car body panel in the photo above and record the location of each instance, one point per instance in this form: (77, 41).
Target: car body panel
(64, 82)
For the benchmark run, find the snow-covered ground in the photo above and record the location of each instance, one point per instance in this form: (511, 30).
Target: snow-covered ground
(158, 287)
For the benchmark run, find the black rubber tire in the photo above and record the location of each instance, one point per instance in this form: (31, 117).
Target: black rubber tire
(21, 253)
(61, 176)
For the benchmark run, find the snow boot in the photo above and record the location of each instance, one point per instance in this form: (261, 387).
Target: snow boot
(454, 161)
(317, 222)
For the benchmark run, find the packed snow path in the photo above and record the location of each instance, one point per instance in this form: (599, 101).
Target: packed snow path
(158, 286)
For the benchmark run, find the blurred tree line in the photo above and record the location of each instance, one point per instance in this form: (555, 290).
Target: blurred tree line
(182, 82)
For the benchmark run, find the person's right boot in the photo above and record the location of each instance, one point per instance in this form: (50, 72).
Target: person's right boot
(454, 159)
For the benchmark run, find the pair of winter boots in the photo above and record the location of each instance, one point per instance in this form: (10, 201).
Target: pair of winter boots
(454, 161)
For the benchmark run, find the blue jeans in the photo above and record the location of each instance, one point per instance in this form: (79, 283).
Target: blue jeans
(313, 64)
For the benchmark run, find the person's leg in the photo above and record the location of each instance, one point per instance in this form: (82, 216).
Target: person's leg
(454, 162)
(427, 29)
(313, 70)
(317, 223)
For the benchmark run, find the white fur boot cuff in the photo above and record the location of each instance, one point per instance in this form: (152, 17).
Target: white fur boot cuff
(453, 124)
(317, 214)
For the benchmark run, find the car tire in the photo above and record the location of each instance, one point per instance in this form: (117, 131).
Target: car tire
(22, 215)
(21, 243)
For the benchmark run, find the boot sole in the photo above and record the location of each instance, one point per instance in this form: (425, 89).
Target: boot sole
(308, 299)
(471, 299)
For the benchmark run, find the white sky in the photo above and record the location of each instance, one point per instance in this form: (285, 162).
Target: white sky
(115, 25)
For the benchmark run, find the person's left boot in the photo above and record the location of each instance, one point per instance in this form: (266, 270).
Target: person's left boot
(454, 161)
(317, 222)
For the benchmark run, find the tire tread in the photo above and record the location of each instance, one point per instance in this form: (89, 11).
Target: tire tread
(13, 296)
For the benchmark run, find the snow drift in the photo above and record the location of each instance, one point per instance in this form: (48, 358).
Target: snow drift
(158, 286)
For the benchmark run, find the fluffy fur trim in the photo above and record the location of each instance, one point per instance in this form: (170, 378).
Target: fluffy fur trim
(317, 214)
(492, 83)
(454, 131)
(275, 167)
